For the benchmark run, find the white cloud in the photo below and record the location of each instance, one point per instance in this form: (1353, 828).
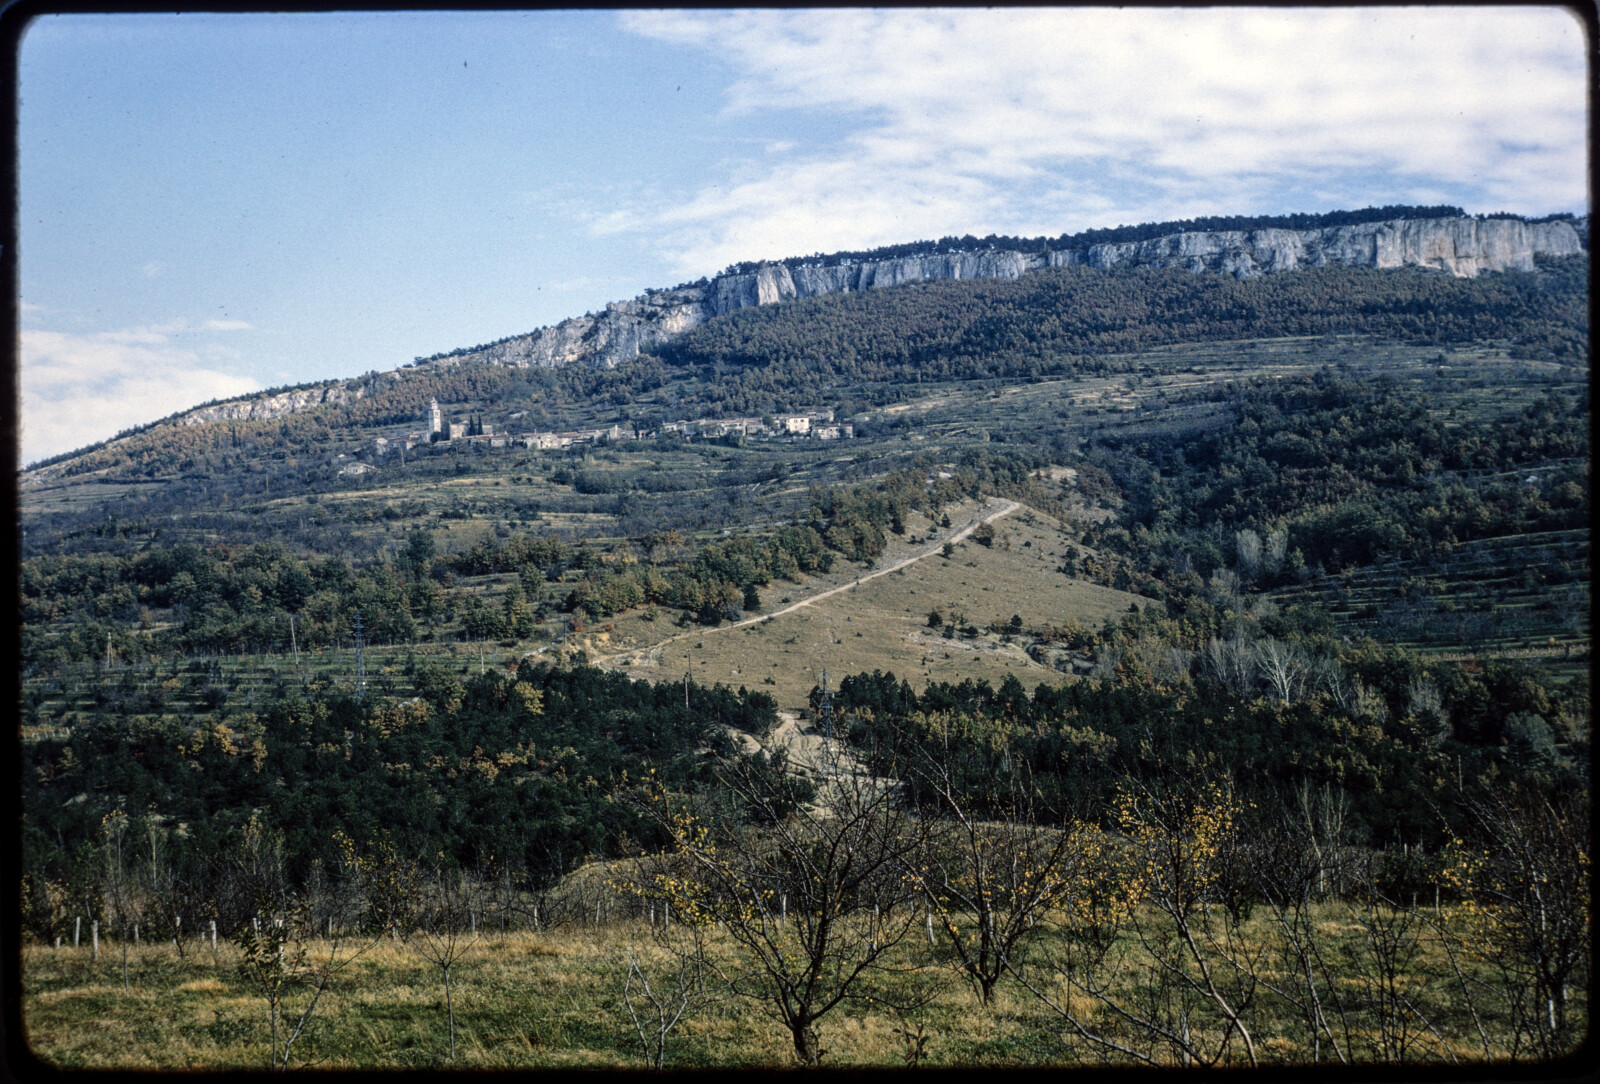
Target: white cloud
(1023, 120)
(78, 389)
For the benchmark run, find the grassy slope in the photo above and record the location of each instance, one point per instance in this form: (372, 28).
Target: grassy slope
(882, 624)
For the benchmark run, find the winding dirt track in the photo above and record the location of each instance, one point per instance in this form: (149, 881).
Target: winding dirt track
(809, 752)
(654, 650)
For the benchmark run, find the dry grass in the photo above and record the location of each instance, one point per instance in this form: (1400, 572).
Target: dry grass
(550, 999)
(882, 624)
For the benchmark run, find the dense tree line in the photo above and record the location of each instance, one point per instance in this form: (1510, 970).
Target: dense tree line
(493, 773)
(1396, 733)
(216, 599)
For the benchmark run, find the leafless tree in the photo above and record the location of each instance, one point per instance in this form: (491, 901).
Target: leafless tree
(1277, 545)
(1426, 704)
(1384, 962)
(989, 882)
(1528, 893)
(1225, 584)
(1282, 666)
(1168, 979)
(816, 896)
(281, 953)
(658, 998)
(1231, 663)
(442, 931)
(1248, 545)
(1304, 854)
(121, 893)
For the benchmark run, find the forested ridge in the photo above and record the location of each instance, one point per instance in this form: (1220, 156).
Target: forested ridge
(1054, 322)
(1065, 320)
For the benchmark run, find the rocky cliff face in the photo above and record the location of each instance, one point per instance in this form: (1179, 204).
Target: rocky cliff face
(274, 406)
(1457, 246)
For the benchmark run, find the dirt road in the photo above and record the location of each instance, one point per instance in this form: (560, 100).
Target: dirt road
(1007, 507)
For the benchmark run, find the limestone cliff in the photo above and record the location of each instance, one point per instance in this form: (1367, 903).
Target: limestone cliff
(275, 406)
(1457, 246)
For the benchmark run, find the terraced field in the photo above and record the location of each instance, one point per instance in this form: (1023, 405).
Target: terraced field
(1521, 596)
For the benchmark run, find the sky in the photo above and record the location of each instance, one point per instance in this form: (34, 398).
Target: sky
(214, 204)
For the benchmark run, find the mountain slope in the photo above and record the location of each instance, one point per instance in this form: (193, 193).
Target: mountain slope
(1462, 247)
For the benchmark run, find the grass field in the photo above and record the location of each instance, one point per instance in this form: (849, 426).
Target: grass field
(551, 1000)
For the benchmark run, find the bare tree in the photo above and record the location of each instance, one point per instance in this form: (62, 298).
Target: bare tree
(442, 931)
(120, 891)
(658, 998)
(1225, 584)
(1150, 972)
(1277, 545)
(280, 954)
(1283, 667)
(990, 882)
(1425, 703)
(1248, 545)
(1305, 854)
(1527, 897)
(816, 896)
(1384, 962)
(1231, 663)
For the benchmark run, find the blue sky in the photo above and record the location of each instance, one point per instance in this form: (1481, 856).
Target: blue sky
(214, 204)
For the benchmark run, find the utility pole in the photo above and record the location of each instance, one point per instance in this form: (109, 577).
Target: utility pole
(688, 663)
(293, 643)
(361, 662)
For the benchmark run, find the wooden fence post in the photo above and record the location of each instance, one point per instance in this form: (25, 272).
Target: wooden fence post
(77, 930)
(94, 935)
(213, 935)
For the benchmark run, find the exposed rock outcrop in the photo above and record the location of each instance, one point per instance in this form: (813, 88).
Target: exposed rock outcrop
(275, 406)
(1457, 246)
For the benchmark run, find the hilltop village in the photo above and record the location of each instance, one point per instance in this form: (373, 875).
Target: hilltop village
(443, 435)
